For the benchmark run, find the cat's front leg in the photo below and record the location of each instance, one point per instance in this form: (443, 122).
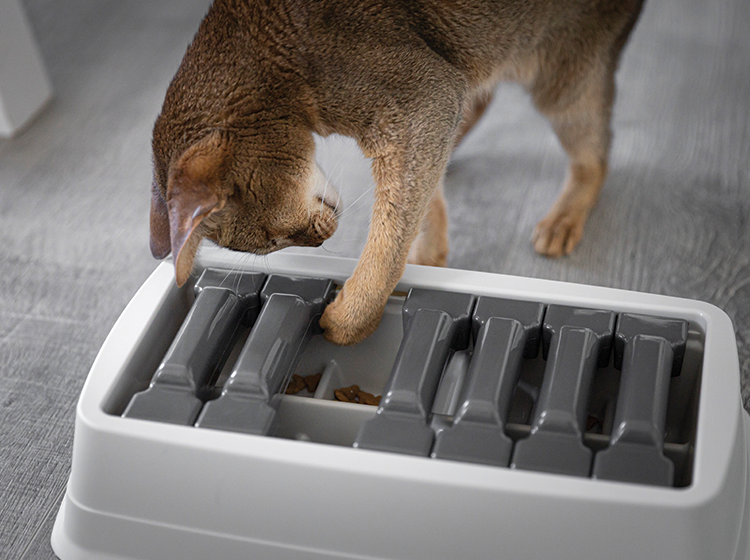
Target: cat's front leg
(401, 196)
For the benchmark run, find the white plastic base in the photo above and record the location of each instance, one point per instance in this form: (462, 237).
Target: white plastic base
(152, 491)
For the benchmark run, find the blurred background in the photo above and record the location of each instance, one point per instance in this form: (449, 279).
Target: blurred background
(673, 218)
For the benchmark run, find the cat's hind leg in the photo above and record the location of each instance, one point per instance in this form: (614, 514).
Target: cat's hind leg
(579, 110)
(431, 245)
(473, 112)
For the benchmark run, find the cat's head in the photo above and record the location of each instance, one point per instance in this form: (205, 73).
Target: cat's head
(234, 155)
(253, 188)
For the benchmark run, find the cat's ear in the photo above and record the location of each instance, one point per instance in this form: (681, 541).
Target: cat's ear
(159, 225)
(194, 192)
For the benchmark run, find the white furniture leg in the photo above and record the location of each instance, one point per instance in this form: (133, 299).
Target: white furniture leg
(24, 85)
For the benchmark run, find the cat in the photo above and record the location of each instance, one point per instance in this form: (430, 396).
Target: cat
(233, 147)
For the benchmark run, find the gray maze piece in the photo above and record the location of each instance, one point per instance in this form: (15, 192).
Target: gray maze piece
(576, 342)
(198, 352)
(435, 324)
(250, 398)
(505, 332)
(648, 351)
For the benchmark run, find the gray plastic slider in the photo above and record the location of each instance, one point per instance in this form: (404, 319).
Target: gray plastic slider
(576, 342)
(435, 323)
(648, 351)
(506, 331)
(198, 352)
(249, 400)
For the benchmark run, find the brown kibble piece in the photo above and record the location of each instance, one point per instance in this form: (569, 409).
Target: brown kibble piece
(311, 381)
(354, 394)
(367, 398)
(347, 394)
(295, 385)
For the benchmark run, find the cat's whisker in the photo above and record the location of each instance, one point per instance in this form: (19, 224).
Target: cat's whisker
(337, 168)
(350, 209)
(338, 210)
(228, 274)
(239, 269)
(327, 250)
(236, 267)
(340, 168)
(268, 264)
(325, 191)
(254, 258)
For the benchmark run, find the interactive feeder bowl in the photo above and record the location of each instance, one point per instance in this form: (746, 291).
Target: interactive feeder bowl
(520, 418)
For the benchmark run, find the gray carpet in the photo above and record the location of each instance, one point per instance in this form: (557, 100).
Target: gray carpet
(673, 218)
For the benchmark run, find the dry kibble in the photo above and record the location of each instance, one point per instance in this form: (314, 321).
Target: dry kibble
(311, 381)
(367, 398)
(295, 385)
(354, 394)
(346, 394)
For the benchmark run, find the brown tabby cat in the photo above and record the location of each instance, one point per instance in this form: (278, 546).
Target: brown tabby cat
(233, 146)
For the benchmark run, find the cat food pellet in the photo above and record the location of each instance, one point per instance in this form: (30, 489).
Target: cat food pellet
(354, 394)
(311, 381)
(368, 398)
(346, 394)
(295, 385)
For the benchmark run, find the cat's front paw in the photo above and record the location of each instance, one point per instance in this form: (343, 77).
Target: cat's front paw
(353, 315)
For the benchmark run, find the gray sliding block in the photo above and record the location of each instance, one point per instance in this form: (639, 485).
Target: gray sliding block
(250, 398)
(506, 331)
(435, 323)
(576, 342)
(449, 390)
(198, 352)
(528, 313)
(648, 351)
(673, 331)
